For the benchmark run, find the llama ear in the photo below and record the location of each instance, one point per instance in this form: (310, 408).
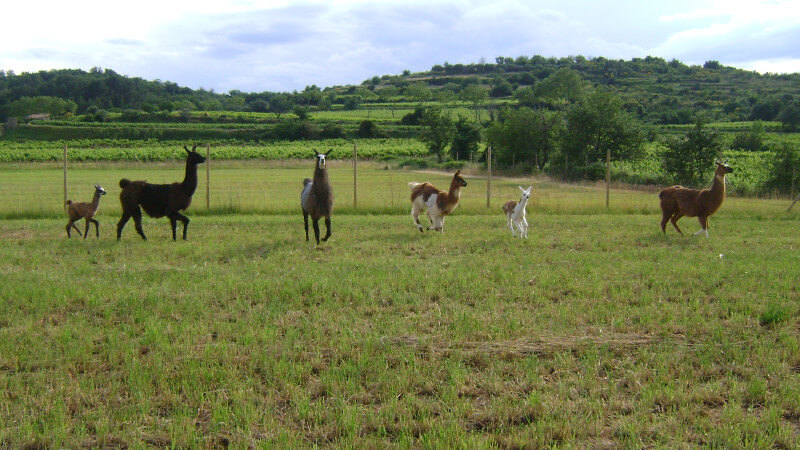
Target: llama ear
(529, 188)
(329, 150)
(186, 148)
(315, 153)
(521, 188)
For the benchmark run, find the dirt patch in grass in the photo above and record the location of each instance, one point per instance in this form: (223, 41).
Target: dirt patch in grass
(533, 345)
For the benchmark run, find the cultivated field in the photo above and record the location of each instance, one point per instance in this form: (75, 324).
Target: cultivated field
(596, 331)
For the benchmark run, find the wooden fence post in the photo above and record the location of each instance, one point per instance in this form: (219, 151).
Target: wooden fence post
(208, 176)
(608, 175)
(489, 178)
(355, 177)
(65, 177)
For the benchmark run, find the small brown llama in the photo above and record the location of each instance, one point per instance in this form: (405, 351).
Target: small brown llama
(678, 201)
(438, 203)
(85, 210)
(159, 200)
(316, 200)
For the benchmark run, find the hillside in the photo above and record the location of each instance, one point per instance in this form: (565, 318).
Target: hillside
(655, 90)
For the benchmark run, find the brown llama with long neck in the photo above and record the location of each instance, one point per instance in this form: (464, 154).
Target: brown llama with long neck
(678, 201)
(316, 200)
(159, 200)
(438, 203)
(85, 210)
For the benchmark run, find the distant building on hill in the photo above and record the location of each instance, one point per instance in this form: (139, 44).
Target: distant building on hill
(40, 116)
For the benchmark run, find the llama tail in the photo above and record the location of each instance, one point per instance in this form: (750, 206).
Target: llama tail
(69, 202)
(123, 183)
(413, 185)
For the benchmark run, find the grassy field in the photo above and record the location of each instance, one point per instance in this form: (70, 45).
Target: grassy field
(597, 331)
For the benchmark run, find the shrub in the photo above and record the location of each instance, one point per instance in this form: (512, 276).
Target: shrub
(367, 129)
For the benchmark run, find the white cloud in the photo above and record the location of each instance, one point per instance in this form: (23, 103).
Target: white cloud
(286, 45)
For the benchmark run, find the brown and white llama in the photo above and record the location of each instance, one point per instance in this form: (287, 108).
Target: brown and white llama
(424, 196)
(516, 213)
(316, 200)
(159, 200)
(85, 210)
(678, 201)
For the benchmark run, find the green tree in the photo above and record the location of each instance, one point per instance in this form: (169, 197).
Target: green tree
(789, 117)
(280, 104)
(476, 95)
(751, 139)
(784, 172)
(501, 87)
(690, 159)
(524, 136)
(466, 139)
(563, 86)
(419, 92)
(597, 124)
(54, 106)
(437, 132)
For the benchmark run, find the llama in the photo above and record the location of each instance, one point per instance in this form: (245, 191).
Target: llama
(515, 212)
(678, 201)
(159, 200)
(438, 203)
(316, 200)
(85, 210)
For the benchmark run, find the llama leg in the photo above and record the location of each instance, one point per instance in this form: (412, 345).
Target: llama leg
(674, 221)
(70, 226)
(315, 223)
(137, 221)
(96, 227)
(524, 228)
(185, 221)
(305, 220)
(121, 224)
(703, 225)
(432, 220)
(86, 230)
(511, 226)
(415, 216)
(327, 228)
(664, 219)
(439, 224)
(173, 223)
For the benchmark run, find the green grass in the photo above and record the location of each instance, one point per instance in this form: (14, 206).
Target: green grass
(596, 331)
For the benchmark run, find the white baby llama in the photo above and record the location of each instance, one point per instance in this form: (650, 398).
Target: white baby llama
(515, 212)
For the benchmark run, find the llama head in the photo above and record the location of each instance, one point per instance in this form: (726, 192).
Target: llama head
(723, 167)
(458, 179)
(193, 157)
(526, 193)
(98, 189)
(321, 158)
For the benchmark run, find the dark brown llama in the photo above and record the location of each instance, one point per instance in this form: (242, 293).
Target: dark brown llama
(159, 200)
(85, 210)
(438, 203)
(678, 201)
(316, 199)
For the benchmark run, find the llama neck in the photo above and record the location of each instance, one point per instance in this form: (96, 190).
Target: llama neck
(321, 180)
(455, 191)
(718, 188)
(96, 200)
(190, 178)
(522, 203)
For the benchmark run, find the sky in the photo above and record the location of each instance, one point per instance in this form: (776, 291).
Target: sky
(283, 46)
